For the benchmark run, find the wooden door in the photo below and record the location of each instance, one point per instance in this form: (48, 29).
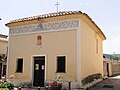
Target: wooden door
(39, 71)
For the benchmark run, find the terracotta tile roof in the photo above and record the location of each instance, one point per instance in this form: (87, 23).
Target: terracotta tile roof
(3, 36)
(62, 13)
(46, 16)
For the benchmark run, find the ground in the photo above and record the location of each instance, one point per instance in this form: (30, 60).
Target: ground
(112, 83)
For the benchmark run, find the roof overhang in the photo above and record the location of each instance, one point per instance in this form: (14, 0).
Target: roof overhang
(63, 13)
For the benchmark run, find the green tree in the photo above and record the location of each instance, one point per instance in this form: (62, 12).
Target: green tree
(1, 59)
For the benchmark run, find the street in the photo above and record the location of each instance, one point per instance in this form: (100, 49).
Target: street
(112, 83)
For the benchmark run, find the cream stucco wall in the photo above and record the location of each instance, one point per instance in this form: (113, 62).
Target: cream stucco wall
(91, 60)
(61, 43)
(79, 47)
(3, 46)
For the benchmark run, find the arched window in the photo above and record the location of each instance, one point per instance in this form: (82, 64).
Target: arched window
(39, 40)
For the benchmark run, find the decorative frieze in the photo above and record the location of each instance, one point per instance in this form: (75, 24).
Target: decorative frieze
(51, 26)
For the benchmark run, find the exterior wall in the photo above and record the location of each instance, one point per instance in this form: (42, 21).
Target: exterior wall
(54, 44)
(3, 46)
(107, 69)
(91, 58)
(75, 41)
(3, 50)
(115, 67)
(111, 67)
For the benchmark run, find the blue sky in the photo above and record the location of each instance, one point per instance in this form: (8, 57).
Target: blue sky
(105, 13)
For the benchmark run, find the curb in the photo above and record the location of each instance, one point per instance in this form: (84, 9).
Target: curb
(91, 84)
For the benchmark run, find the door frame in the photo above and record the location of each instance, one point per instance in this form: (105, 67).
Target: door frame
(1, 65)
(32, 67)
(107, 67)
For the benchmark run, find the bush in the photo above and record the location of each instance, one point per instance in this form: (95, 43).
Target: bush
(25, 84)
(56, 82)
(91, 78)
(6, 84)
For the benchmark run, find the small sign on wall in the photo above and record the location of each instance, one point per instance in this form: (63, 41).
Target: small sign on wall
(39, 40)
(36, 66)
(43, 67)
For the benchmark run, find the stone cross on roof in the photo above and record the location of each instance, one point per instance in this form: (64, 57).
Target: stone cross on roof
(57, 4)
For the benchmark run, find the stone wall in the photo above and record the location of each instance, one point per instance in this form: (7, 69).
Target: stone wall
(111, 68)
(115, 69)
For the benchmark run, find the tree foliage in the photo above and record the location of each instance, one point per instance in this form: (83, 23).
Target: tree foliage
(2, 59)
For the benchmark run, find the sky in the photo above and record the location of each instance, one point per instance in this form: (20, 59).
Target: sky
(105, 13)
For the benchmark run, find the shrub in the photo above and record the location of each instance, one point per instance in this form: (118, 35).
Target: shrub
(25, 84)
(56, 82)
(6, 83)
(91, 78)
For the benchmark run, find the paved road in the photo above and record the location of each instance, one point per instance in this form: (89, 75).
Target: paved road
(112, 83)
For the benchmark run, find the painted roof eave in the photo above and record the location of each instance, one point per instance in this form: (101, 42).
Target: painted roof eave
(63, 13)
(99, 31)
